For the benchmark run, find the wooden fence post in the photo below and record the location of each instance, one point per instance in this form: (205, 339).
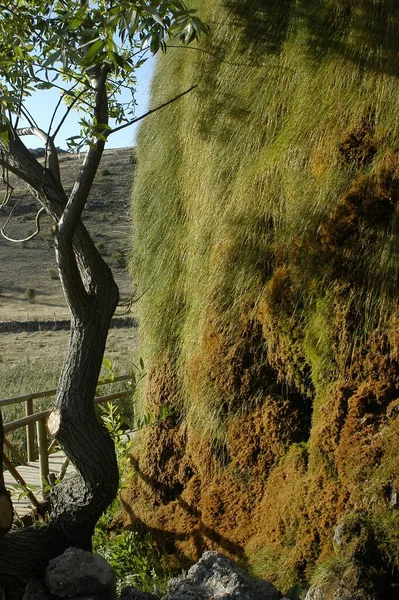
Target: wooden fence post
(30, 432)
(43, 456)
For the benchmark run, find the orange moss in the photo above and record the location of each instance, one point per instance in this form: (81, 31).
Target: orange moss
(163, 387)
(259, 439)
(261, 494)
(233, 362)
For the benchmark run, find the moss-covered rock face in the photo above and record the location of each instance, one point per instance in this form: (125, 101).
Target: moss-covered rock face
(267, 240)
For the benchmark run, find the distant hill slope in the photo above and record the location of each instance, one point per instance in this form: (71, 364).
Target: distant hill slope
(266, 208)
(31, 265)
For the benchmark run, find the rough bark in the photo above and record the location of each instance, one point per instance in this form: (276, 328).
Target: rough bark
(6, 510)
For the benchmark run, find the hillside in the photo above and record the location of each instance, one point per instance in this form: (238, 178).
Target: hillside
(31, 265)
(266, 211)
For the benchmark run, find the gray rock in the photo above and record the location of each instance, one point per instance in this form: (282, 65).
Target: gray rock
(86, 598)
(34, 591)
(91, 597)
(80, 573)
(315, 593)
(132, 593)
(216, 577)
(341, 592)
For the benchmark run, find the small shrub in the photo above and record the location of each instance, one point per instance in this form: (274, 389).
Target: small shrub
(30, 294)
(119, 259)
(105, 173)
(134, 557)
(100, 247)
(54, 274)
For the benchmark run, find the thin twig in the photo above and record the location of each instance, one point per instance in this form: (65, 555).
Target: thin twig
(150, 112)
(28, 116)
(6, 181)
(70, 107)
(38, 215)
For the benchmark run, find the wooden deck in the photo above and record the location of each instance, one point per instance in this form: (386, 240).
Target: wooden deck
(31, 475)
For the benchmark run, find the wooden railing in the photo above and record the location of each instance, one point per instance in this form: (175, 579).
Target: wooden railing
(43, 449)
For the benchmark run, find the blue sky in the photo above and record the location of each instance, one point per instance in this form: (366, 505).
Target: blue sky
(41, 106)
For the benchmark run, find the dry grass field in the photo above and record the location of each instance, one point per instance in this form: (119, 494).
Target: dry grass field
(31, 265)
(29, 285)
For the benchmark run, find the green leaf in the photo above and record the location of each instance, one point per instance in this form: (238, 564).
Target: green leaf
(94, 50)
(108, 364)
(4, 133)
(76, 22)
(154, 15)
(53, 58)
(18, 52)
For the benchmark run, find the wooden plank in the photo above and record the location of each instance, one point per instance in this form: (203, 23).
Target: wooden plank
(48, 393)
(30, 432)
(12, 425)
(31, 474)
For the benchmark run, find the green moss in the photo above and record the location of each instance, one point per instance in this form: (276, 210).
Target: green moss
(317, 344)
(267, 243)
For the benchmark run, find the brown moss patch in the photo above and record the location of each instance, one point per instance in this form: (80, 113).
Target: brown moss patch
(359, 146)
(358, 219)
(259, 439)
(163, 387)
(233, 362)
(360, 447)
(277, 519)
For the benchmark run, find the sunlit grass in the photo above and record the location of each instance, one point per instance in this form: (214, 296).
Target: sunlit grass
(232, 177)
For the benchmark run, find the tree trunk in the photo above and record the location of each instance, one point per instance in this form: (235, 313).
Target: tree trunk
(77, 503)
(6, 510)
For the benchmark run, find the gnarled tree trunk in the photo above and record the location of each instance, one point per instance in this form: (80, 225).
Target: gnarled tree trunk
(92, 296)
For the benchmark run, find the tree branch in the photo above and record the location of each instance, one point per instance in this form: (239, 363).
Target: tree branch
(16, 157)
(6, 181)
(84, 182)
(71, 272)
(150, 112)
(53, 164)
(68, 110)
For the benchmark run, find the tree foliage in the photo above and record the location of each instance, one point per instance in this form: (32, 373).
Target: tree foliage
(64, 43)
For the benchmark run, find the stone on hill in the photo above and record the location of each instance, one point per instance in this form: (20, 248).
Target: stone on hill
(78, 573)
(216, 577)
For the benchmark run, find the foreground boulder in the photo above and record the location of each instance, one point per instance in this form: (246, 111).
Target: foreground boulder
(78, 573)
(216, 577)
(132, 593)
